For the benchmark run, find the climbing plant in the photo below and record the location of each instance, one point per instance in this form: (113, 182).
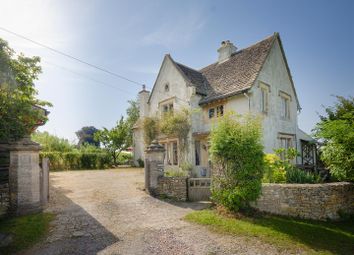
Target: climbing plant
(177, 124)
(150, 127)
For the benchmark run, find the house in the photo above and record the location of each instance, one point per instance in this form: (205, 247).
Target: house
(255, 79)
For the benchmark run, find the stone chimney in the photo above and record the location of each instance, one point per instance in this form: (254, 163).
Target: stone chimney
(226, 50)
(143, 98)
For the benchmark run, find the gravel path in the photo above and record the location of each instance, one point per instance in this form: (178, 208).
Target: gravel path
(106, 212)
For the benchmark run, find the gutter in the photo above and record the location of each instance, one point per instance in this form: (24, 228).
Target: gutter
(249, 101)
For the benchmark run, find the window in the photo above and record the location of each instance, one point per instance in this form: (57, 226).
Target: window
(171, 156)
(211, 113)
(167, 108)
(264, 100)
(197, 153)
(218, 111)
(286, 142)
(167, 87)
(285, 105)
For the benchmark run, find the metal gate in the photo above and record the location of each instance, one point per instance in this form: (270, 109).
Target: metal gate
(199, 189)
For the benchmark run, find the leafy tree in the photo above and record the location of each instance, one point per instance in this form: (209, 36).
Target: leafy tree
(336, 130)
(132, 118)
(114, 140)
(151, 129)
(20, 110)
(86, 135)
(237, 156)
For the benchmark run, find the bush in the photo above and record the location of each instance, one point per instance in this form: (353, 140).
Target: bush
(273, 173)
(175, 172)
(124, 158)
(77, 160)
(296, 175)
(237, 155)
(140, 162)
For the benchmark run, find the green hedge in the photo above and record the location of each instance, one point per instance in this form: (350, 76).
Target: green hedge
(77, 160)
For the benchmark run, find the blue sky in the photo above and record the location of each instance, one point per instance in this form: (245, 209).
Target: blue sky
(131, 37)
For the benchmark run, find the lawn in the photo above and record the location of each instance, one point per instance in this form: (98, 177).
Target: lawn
(26, 230)
(313, 237)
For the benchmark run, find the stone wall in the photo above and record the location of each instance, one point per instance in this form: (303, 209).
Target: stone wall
(4, 198)
(173, 187)
(310, 201)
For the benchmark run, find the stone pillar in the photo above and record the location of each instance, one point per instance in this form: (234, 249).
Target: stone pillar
(24, 177)
(154, 157)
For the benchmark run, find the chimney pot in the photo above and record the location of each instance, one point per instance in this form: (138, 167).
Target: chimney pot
(226, 50)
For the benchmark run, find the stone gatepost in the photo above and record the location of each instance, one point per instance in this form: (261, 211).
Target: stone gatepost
(154, 158)
(24, 177)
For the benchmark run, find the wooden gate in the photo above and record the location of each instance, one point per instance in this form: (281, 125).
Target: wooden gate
(199, 189)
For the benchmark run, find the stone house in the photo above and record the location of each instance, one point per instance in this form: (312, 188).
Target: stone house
(255, 80)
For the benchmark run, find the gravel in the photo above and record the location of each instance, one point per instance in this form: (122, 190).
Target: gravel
(107, 212)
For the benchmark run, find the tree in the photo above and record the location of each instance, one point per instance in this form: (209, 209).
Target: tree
(86, 135)
(336, 130)
(237, 156)
(20, 110)
(114, 140)
(132, 117)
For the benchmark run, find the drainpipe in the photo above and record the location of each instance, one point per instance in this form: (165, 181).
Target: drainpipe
(249, 101)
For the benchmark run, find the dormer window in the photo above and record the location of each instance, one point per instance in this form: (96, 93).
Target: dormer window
(167, 87)
(217, 111)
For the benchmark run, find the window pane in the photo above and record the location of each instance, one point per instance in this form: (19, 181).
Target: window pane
(197, 153)
(220, 110)
(211, 113)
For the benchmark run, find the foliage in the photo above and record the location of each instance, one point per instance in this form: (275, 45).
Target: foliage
(51, 142)
(132, 118)
(26, 230)
(125, 158)
(77, 160)
(150, 127)
(273, 172)
(140, 162)
(114, 140)
(86, 136)
(175, 173)
(20, 110)
(287, 234)
(177, 124)
(296, 175)
(237, 155)
(277, 170)
(336, 129)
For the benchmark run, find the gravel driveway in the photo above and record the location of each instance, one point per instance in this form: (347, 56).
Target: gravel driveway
(107, 212)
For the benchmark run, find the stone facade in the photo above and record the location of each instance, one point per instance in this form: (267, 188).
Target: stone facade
(173, 187)
(309, 201)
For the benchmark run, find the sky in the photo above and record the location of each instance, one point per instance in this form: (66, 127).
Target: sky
(130, 38)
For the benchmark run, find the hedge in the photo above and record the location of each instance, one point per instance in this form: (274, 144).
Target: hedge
(77, 160)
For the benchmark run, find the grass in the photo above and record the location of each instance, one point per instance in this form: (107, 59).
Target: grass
(26, 230)
(293, 235)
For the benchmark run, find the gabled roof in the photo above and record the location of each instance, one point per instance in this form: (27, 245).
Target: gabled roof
(232, 77)
(237, 74)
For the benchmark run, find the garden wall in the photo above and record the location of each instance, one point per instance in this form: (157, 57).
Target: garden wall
(4, 198)
(310, 201)
(173, 187)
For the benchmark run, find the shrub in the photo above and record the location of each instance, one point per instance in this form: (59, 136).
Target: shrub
(296, 175)
(124, 158)
(336, 130)
(140, 162)
(150, 127)
(172, 172)
(237, 155)
(77, 160)
(273, 172)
